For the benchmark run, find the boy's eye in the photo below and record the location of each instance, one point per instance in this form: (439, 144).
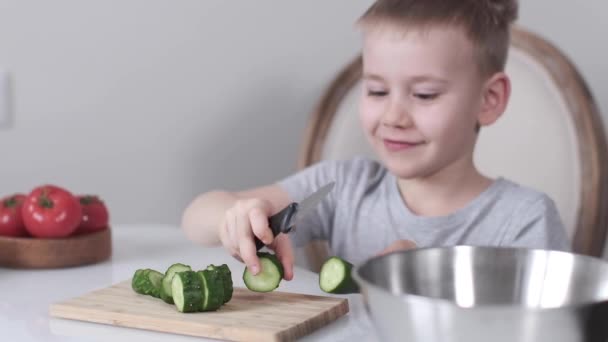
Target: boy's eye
(425, 96)
(377, 93)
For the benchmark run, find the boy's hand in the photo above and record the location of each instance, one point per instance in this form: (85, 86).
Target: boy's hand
(248, 218)
(399, 245)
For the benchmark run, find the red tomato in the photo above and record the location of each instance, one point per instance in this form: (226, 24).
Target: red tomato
(95, 215)
(51, 212)
(11, 223)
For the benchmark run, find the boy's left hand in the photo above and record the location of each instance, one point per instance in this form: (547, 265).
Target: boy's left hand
(399, 245)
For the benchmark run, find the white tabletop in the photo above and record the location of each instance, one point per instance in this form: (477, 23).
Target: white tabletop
(25, 295)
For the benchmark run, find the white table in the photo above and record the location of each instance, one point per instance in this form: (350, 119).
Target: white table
(25, 295)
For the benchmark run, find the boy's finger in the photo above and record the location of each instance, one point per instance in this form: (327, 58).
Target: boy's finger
(228, 241)
(232, 238)
(223, 231)
(284, 251)
(249, 256)
(247, 248)
(237, 257)
(259, 225)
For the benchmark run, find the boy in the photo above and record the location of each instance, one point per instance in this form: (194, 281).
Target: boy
(433, 75)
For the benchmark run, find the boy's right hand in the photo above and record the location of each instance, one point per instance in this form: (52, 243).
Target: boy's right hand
(244, 220)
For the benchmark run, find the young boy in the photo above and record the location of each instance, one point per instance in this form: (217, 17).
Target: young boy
(433, 75)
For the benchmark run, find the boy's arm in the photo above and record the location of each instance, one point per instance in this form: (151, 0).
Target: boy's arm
(204, 216)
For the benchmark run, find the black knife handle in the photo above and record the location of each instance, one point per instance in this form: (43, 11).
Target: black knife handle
(278, 222)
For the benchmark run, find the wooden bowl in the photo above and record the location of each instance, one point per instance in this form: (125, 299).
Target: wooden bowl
(55, 253)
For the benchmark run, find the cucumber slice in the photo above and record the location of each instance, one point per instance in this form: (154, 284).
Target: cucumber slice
(167, 297)
(147, 282)
(135, 281)
(335, 277)
(228, 285)
(187, 292)
(226, 277)
(154, 278)
(270, 276)
(213, 290)
(165, 289)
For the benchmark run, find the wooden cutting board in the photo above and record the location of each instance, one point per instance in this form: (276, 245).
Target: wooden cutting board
(249, 316)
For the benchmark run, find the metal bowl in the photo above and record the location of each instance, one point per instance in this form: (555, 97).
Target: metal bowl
(486, 294)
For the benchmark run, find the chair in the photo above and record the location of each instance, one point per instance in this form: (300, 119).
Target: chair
(551, 138)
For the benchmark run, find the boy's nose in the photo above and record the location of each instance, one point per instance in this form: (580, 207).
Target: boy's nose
(397, 116)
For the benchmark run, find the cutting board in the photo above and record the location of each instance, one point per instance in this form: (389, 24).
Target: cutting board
(249, 316)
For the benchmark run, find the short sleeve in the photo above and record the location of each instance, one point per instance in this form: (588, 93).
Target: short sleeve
(539, 226)
(316, 224)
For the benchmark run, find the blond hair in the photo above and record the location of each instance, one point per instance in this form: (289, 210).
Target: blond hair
(486, 23)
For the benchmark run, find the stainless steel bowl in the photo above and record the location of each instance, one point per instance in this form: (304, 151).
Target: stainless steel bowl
(486, 294)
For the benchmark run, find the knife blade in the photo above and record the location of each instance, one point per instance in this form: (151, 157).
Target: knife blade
(285, 220)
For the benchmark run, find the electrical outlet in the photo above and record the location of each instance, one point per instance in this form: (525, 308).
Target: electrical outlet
(5, 101)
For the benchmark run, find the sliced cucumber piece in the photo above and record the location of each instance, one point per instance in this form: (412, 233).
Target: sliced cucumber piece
(135, 280)
(154, 278)
(335, 277)
(269, 277)
(226, 277)
(167, 297)
(213, 290)
(187, 291)
(207, 291)
(165, 289)
(147, 282)
(228, 285)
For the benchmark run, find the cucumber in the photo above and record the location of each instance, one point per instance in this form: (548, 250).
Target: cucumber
(269, 277)
(187, 291)
(147, 282)
(219, 280)
(155, 278)
(165, 289)
(135, 281)
(228, 285)
(335, 277)
(213, 290)
(226, 277)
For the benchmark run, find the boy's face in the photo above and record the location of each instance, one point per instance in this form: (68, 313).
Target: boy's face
(422, 92)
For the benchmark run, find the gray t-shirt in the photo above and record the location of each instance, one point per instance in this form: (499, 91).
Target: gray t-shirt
(365, 213)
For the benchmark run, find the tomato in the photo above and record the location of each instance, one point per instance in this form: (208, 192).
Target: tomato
(51, 212)
(11, 223)
(95, 215)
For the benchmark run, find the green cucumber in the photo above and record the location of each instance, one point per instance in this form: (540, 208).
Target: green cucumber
(213, 290)
(147, 282)
(226, 277)
(269, 277)
(190, 291)
(155, 278)
(228, 285)
(135, 281)
(187, 291)
(335, 277)
(165, 289)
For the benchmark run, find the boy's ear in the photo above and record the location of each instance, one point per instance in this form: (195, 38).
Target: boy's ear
(496, 94)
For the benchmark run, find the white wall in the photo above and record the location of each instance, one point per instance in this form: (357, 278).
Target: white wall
(579, 29)
(149, 102)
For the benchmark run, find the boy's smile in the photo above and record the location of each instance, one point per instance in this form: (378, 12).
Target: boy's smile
(400, 145)
(422, 93)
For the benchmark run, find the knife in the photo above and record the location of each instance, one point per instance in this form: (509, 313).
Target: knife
(285, 220)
